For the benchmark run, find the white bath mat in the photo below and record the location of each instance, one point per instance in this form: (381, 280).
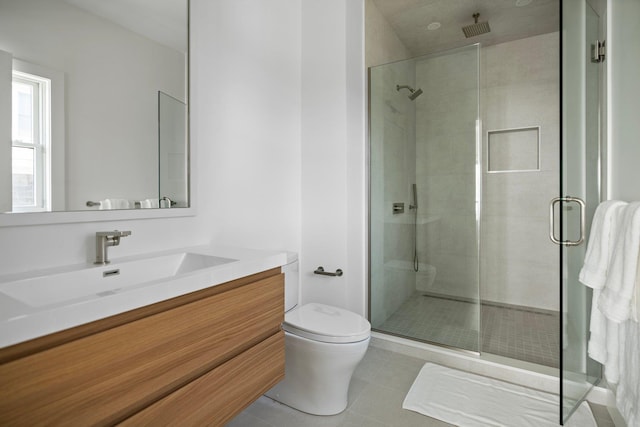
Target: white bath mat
(470, 400)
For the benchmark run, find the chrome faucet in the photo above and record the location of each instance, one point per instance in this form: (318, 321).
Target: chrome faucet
(104, 239)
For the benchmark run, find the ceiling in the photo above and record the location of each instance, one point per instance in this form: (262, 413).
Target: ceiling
(409, 19)
(164, 21)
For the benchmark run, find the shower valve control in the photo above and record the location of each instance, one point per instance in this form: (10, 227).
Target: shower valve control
(398, 208)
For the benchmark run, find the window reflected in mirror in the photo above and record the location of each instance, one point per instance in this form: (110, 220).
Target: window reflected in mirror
(94, 101)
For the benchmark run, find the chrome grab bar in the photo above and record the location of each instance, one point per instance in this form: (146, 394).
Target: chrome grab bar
(552, 234)
(320, 271)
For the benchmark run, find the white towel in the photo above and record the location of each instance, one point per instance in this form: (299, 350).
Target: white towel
(120, 204)
(612, 365)
(628, 391)
(600, 247)
(115, 204)
(619, 292)
(636, 304)
(598, 331)
(104, 204)
(606, 221)
(149, 204)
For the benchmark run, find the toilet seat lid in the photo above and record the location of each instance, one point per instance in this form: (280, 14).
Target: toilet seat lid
(326, 323)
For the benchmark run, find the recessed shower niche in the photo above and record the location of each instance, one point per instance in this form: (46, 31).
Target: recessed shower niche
(513, 150)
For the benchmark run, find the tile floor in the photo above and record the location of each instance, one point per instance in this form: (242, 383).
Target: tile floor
(377, 391)
(528, 335)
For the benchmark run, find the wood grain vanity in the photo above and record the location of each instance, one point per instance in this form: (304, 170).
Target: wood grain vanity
(197, 359)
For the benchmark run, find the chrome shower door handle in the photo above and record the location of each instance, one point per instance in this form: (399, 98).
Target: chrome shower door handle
(552, 234)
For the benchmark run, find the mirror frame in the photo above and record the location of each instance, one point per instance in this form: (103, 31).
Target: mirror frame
(65, 217)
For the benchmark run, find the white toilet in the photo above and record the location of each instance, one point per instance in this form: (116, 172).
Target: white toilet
(323, 346)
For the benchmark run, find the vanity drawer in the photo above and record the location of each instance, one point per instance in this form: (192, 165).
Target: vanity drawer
(106, 377)
(216, 397)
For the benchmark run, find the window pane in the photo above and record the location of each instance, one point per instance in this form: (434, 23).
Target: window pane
(22, 110)
(23, 167)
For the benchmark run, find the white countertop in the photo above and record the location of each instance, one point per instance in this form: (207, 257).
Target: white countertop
(21, 322)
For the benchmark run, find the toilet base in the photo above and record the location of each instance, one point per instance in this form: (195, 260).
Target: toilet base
(317, 374)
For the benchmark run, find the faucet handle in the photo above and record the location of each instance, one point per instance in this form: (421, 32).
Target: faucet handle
(114, 233)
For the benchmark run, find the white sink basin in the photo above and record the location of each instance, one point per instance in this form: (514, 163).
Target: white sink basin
(106, 280)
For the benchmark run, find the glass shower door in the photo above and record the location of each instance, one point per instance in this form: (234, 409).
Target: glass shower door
(173, 151)
(580, 172)
(424, 198)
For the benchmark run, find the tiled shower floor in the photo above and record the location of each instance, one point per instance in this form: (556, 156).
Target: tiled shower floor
(518, 333)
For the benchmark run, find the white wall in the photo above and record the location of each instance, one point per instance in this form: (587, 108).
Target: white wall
(623, 66)
(333, 153)
(286, 116)
(251, 103)
(112, 79)
(356, 152)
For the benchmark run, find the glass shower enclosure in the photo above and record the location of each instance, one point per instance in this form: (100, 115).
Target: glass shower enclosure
(425, 189)
(460, 253)
(460, 218)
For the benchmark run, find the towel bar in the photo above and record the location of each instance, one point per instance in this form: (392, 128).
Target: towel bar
(92, 204)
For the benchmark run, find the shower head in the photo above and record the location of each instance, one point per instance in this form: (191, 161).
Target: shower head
(414, 92)
(477, 28)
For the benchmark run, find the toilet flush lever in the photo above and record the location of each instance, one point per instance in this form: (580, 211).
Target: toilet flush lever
(320, 271)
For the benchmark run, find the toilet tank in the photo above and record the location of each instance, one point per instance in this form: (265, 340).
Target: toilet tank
(291, 281)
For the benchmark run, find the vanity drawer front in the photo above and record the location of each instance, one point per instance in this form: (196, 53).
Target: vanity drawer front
(106, 377)
(216, 397)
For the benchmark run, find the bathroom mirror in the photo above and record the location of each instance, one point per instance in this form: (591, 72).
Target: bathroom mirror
(93, 107)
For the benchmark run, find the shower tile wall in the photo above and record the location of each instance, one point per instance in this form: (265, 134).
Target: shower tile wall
(446, 157)
(519, 264)
(518, 89)
(394, 157)
(393, 154)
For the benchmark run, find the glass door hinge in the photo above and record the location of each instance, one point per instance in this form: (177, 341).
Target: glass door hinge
(598, 49)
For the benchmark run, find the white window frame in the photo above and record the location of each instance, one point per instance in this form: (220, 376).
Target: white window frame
(41, 144)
